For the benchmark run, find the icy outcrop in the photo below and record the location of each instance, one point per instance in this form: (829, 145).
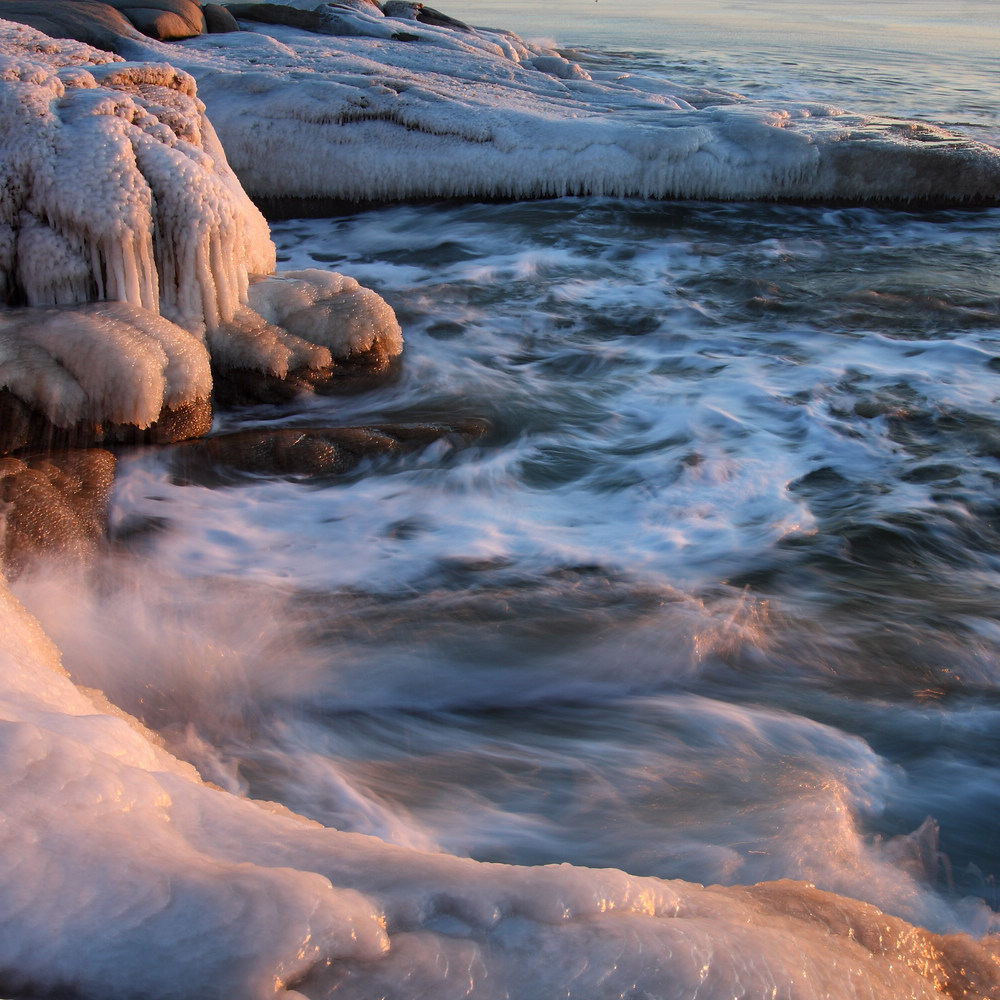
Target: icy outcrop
(127, 876)
(114, 188)
(393, 107)
(329, 309)
(102, 360)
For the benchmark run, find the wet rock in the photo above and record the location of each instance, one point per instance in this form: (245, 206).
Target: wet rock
(24, 428)
(98, 24)
(279, 13)
(54, 504)
(218, 19)
(104, 24)
(307, 452)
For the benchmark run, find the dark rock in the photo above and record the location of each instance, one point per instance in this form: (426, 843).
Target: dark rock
(98, 24)
(277, 13)
(235, 387)
(104, 24)
(55, 504)
(22, 427)
(420, 12)
(218, 19)
(306, 452)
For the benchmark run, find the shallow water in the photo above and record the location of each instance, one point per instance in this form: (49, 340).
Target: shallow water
(714, 598)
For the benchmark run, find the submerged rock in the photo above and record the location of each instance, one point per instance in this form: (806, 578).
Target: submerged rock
(307, 452)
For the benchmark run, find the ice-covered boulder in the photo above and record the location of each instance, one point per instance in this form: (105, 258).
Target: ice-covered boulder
(115, 190)
(102, 371)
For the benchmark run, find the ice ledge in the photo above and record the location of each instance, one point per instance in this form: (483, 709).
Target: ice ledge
(465, 112)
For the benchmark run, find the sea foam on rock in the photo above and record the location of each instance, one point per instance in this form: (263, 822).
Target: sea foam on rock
(116, 190)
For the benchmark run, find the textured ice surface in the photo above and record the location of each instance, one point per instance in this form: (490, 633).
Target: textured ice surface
(101, 361)
(439, 112)
(125, 875)
(115, 187)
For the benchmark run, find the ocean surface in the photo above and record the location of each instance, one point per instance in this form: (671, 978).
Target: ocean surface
(713, 591)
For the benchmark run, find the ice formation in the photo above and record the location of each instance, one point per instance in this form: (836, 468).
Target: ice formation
(115, 189)
(101, 361)
(329, 309)
(189, 887)
(391, 107)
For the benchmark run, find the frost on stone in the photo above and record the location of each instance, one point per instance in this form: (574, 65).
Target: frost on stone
(115, 187)
(306, 320)
(404, 104)
(97, 363)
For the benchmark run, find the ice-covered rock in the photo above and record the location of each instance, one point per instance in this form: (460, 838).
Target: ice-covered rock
(99, 372)
(405, 106)
(116, 189)
(329, 309)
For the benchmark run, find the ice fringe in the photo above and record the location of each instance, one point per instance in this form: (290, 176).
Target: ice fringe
(115, 188)
(391, 107)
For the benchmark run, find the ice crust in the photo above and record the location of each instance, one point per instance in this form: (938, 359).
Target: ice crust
(115, 187)
(126, 875)
(99, 359)
(384, 108)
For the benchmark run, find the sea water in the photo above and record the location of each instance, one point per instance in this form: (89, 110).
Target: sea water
(714, 594)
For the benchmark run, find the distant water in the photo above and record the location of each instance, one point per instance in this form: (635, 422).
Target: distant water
(717, 595)
(912, 58)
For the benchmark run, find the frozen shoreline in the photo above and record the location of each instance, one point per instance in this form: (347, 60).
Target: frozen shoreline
(123, 864)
